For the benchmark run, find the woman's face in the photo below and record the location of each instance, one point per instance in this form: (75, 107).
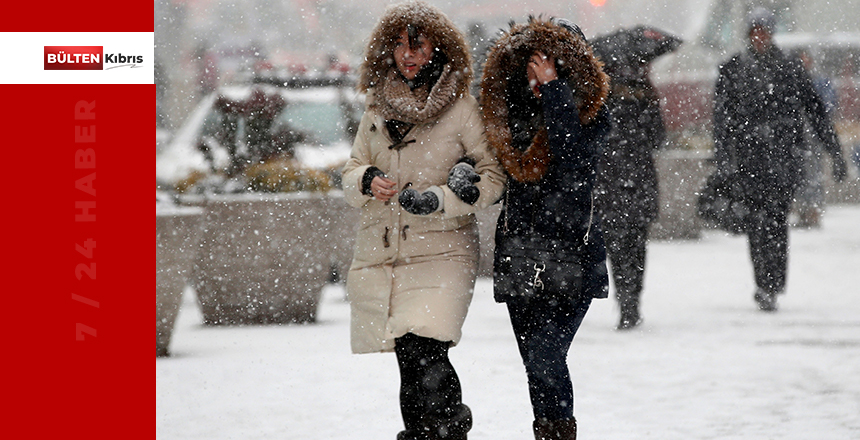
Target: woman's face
(410, 60)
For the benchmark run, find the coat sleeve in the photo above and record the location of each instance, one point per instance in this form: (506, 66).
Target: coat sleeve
(474, 141)
(359, 161)
(655, 128)
(566, 133)
(816, 111)
(724, 119)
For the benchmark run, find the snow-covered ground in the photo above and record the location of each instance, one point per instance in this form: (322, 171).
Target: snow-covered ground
(704, 365)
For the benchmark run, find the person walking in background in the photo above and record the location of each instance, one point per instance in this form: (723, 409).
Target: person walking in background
(626, 189)
(542, 95)
(419, 170)
(809, 203)
(762, 99)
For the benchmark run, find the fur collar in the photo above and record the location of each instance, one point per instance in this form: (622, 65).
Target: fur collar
(507, 59)
(434, 24)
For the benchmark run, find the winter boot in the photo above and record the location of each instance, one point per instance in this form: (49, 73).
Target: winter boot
(449, 427)
(629, 313)
(412, 434)
(766, 300)
(809, 218)
(564, 429)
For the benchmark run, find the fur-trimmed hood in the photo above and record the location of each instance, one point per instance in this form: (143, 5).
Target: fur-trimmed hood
(430, 21)
(513, 49)
(506, 66)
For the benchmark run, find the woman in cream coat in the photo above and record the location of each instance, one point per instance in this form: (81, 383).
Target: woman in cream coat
(420, 168)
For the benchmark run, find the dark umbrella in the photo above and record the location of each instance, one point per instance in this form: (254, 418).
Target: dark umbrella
(627, 52)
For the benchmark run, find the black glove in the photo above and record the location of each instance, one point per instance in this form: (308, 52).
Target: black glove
(840, 169)
(368, 176)
(418, 203)
(462, 179)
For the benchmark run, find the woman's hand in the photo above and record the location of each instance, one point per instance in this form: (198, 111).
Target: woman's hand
(543, 67)
(382, 188)
(540, 70)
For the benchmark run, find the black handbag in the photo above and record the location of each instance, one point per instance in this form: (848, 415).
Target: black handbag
(721, 203)
(536, 267)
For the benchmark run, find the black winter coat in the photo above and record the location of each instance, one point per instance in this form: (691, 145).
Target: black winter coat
(761, 103)
(627, 186)
(548, 147)
(560, 206)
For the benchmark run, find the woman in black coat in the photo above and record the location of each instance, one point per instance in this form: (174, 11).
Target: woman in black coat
(542, 95)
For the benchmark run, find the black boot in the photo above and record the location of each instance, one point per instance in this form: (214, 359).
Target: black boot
(766, 300)
(449, 427)
(629, 313)
(412, 434)
(564, 429)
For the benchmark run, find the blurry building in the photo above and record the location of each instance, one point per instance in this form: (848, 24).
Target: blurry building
(294, 32)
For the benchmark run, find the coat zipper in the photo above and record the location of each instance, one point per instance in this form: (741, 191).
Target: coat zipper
(590, 219)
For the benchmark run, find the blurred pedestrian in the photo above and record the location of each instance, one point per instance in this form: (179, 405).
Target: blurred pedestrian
(419, 170)
(809, 202)
(626, 193)
(542, 95)
(762, 99)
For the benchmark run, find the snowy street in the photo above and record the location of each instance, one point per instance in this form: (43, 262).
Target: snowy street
(705, 364)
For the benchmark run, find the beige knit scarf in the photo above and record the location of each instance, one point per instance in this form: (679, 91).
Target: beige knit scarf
(396, 101)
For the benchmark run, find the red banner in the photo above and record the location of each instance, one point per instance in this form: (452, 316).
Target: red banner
(76, 163)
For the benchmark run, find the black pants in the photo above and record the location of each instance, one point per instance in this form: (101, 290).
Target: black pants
(625, 247)
(544, 332)
(428, 383)
(768, 244)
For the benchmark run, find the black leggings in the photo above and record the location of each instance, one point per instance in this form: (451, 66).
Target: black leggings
(428, 383)
(544, 332)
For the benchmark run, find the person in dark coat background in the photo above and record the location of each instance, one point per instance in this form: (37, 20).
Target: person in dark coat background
(542, 95)
(626, 193)
(762, 99)
(809, 202)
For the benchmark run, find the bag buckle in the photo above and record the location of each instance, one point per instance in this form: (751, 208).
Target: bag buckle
(537, 282)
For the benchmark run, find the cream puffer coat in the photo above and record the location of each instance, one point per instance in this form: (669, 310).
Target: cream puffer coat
(414, 273)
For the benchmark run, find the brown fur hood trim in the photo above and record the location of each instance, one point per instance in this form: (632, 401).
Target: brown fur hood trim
(430, 21)
(508, 56)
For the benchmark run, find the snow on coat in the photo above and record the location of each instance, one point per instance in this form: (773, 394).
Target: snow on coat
(550, 146)
(627, 192)
(761, 103)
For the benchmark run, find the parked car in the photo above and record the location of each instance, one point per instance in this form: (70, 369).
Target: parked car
(309, 122)
(264, 257)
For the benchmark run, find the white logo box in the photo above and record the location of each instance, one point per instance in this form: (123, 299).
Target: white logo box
(24, 52)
